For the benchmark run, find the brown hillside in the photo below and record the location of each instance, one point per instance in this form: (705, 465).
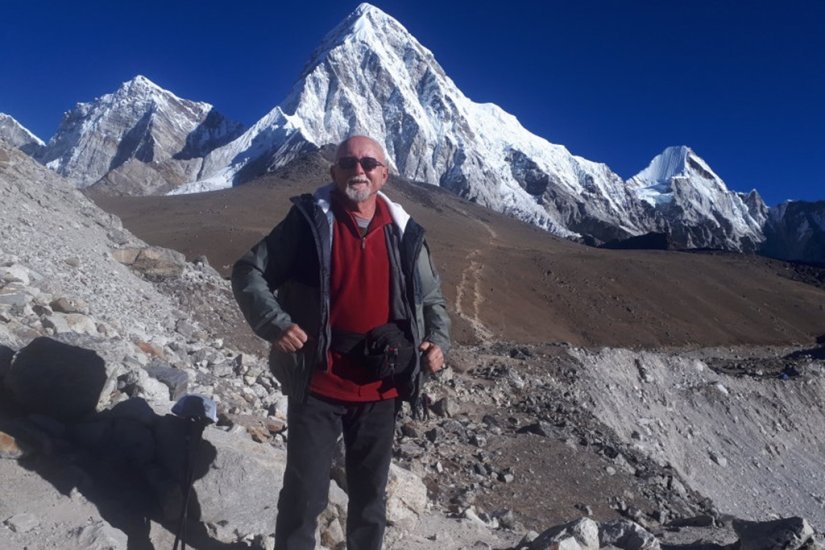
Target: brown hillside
(507, 280)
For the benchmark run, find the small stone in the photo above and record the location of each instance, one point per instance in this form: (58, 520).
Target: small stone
(410, 429)
(444, 407)
(69, 305)
(506, 477)
(434, 434)
(718, 459)
(543, 429)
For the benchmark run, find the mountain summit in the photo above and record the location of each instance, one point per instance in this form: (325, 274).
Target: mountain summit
(370, 76)
(686, 199)
(140, 139)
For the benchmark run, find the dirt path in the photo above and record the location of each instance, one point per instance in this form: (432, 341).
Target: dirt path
(469, 294)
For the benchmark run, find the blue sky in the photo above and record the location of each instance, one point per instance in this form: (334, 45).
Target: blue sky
(741, 82)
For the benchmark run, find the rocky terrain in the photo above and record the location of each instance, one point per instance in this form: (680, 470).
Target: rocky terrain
(527, 445)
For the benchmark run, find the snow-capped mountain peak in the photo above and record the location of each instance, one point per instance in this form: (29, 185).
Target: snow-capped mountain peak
(18, 136)
(139, 125)
(689, 201)
(673, 161)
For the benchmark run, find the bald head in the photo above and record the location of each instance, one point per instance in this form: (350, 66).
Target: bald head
(360, 140)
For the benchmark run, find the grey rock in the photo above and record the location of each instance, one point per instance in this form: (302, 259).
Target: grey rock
(101, 536)
(781, 534)
(69, 305)
(152, 261)
(69, 322)
(237, 480)
(582, 534)
(406, 498)
(12, 298)
(444, 407)
(175, 379)
(627, 535)
(543, 429)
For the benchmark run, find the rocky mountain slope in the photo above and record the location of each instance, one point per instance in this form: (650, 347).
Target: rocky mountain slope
(17, 135)
(796, 230)
(138, 140)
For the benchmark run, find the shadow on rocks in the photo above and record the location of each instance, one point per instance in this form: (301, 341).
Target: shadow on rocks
(127, 460)
(817, 352)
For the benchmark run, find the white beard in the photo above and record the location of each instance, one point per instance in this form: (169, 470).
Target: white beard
(357, 195)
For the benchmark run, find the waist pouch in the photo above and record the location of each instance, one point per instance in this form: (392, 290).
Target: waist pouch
(385, 351)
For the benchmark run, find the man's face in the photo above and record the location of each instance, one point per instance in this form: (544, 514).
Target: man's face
(356, 183)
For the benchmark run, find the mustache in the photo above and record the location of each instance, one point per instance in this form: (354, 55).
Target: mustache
(357, 179)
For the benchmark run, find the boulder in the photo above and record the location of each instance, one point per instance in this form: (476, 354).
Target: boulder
(406, 498)
(781, 534)
(175, 379)
(101, 536)
(627, 535)
(237, 481)
(69, 305)
(582, 534)
(56, 379)
(152, 261)
(61, 323)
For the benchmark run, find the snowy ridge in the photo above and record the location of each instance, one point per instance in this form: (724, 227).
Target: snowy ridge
(18, 136)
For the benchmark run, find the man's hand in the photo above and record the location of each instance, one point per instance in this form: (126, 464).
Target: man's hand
(433, 357)
(290, 340)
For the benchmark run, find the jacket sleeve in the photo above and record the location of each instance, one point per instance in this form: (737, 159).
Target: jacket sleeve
(436, 320)
(261, 271)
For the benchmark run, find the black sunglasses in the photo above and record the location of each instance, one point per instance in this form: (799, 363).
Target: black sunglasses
(367, 163)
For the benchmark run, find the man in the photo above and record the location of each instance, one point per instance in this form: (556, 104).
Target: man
(345, 264)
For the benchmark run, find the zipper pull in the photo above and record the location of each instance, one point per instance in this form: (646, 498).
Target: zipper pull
(363, 243)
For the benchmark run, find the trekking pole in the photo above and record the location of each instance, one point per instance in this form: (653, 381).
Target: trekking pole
(199, 412)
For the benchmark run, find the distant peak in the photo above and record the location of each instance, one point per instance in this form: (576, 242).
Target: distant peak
(365, 8)
(140, 82)
(677, 160)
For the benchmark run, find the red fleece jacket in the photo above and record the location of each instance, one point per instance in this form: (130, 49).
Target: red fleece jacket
(359, 302)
